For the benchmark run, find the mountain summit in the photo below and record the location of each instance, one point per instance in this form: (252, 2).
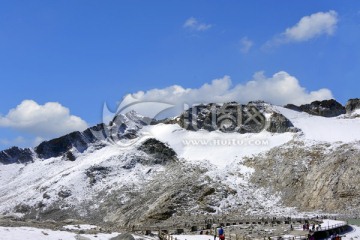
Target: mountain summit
(255, 159)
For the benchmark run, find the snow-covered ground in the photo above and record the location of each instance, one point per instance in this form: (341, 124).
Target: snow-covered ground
(28, 233)
(323, 129)
(220, 149)
(330, 222)
(354, 234)
(194, 237)
(80, 227)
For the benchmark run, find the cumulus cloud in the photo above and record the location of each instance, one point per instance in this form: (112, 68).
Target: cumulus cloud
(309, 27)
(193, 24)
(280, 89)
(246, 44)
(312, 26)
(43, 121)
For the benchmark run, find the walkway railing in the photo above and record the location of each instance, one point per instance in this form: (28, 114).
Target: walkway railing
(163, 231)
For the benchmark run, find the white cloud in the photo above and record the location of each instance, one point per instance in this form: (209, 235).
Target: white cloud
(43, 121)
(309, 27)
(280, 89)
(193, 24)
(312, 26)
(246, 44)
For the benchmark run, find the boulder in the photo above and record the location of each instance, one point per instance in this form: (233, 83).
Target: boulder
(79, 237)
(352, 105)
(159, 151)
(278, 123)
(123, 236)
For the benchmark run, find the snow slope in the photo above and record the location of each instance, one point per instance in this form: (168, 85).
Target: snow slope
(220, 149)
(27, 183)
(323, 129)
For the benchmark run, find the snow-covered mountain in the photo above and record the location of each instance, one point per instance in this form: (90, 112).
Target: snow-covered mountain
(280, 161)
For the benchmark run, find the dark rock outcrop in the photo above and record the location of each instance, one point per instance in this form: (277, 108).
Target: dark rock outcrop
(16, 155)
(229, 117)
(59, 146)
(158, 150)
(64, 193)
(293, 107)
(78, 140)
(126, 126)
(278, 123)
(325, 108)
(352, 104)
(123, 126)
(96, 173)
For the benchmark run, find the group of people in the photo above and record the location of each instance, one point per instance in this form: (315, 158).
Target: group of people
(335, 237)
(306, 227)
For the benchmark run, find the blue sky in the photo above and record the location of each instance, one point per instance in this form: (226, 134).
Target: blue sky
(61, 60)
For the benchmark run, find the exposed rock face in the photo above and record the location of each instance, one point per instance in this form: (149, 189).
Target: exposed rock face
(293, 107)
(234, 117)
(315, 178)
(158, 150)
(127, 125)
(77, 140)
(325, 108)
(97, 173)
(230, 117)
(278, 123)
(16, 155)
(186, 187)
(352, 105)
(122, 127)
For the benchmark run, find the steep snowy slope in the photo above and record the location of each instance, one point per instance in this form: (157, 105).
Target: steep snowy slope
(57, 184)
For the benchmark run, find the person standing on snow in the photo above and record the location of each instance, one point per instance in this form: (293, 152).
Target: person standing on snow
(221, 234)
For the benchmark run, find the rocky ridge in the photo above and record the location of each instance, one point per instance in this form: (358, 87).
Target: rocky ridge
(325, 108)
